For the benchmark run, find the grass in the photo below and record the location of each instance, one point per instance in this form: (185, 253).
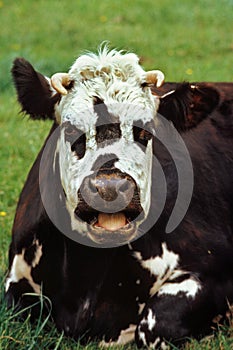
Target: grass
(187, 40)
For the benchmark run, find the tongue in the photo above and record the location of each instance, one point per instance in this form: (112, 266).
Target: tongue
(111, 222)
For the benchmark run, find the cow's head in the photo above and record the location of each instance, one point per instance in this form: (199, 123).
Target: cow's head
(106, 114)
(107, 118)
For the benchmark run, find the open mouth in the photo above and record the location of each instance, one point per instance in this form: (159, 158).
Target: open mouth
(111, 222)
(110, 228)
(109, 203)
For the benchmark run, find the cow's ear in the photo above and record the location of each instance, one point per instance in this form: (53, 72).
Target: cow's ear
(34, 91)
(187, 105)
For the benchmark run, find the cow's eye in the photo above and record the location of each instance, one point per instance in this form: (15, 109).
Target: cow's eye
(141, 135)
(77, 140)
(79, 146)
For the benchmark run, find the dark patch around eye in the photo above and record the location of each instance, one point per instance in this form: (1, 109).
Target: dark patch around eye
(76, 138)
(79, 146)
(141, 136)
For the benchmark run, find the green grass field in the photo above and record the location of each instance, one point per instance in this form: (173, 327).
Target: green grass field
(187, 40)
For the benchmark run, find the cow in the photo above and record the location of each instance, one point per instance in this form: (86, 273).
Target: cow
(125, 221)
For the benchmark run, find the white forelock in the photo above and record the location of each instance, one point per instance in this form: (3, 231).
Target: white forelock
(108, 65)
(113, 76)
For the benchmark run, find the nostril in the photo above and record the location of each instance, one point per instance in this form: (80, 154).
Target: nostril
(124, 186)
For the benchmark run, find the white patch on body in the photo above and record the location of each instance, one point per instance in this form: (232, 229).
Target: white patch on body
(149, 321)
(165, 269)
(21, 269)
(161, 267)
(126, 336)
(142, 336)
(189, 287)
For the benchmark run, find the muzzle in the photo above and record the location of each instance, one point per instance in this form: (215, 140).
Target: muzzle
(109, 202)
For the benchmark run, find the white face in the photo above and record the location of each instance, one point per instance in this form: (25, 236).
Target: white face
(115, 81)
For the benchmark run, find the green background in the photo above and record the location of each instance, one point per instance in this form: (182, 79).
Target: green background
(187, 40)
